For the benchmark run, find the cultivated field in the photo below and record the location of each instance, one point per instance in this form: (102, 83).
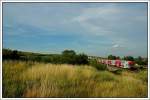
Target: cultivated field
(33, 79)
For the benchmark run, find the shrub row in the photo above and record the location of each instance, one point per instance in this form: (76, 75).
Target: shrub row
(67, 56)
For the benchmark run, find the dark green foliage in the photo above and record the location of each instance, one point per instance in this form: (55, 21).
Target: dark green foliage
(82, 59)
(15, 54)
(68, 53)
(67, 56)
(130, 58)
(98, 65)
(70, 57)
(141, 61)
(111, 57)
(45, 59)
(56, 59)
(9, 54)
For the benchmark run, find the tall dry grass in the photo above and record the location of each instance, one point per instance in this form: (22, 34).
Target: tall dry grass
(31, 79)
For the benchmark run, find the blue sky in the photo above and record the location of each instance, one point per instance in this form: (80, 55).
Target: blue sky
(96, 29)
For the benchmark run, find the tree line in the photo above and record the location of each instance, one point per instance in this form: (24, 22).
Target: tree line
(67, 56)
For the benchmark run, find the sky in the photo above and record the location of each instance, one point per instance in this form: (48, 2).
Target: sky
(97, 29)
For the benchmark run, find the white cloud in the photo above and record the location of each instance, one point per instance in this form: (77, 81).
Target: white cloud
(115, 46)
(109, 20)
(95, 19)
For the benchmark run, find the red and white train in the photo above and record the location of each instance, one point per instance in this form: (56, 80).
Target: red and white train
(118, 63)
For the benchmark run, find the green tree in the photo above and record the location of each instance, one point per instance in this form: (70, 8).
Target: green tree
(15, 54)
(69, 56)
(97, 65)
(141, 61)
(111, 57)
(130, 58)
(6, 53)
(81, 59)
(68, 53)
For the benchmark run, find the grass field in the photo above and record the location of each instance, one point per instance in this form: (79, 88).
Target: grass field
(33, 79)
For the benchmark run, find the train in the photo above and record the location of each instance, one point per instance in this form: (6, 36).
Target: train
(118, 63)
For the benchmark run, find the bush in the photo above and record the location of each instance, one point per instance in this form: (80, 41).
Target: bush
(141, 61)
(82, 59)
(10, 54)
(70, 57)
(130, 58)
(111, 57)
(97, 65)
(67, 57)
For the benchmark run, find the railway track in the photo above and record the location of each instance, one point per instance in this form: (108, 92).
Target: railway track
(112, 68)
